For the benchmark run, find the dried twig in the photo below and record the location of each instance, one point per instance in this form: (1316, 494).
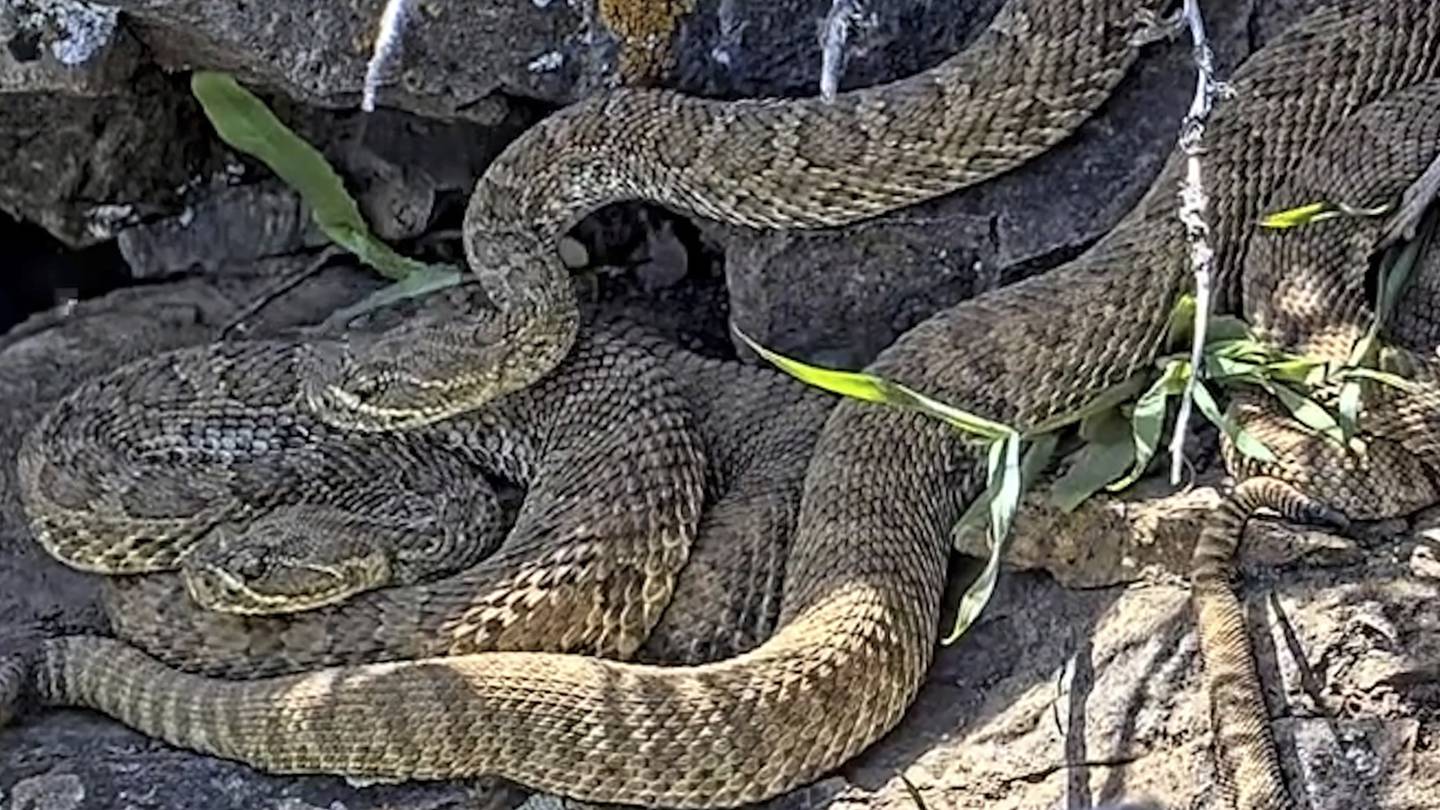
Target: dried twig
(386, 52)
(1193, 203)
(836, 33)
(284, 285)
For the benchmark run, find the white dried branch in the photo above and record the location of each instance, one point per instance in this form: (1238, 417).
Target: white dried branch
(1193, 204)
(386, 52)
(833, 38)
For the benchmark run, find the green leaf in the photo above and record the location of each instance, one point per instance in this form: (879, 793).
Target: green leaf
(1004, 495)
(956, 418)
(1299, 370)
(1037, 458)
(1395, 272)
(1363, 354)
(1244, 441)
(1302, 215)
(245, 123)
(1180, 327)
(1148, 419)
(419, 283)
(1245, 349)
(975, 518)
(1225, 369)
(1382, 377)
(855, 385)
(1105, 400)
(870, 388)
(1108, 452)
(1349, 407)
(1318, 212)
(1181, 323)
(1307, 411)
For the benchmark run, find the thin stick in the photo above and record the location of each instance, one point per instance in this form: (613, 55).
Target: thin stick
(285, 285)
(387, 50)
(1193, 202)
(843, 14)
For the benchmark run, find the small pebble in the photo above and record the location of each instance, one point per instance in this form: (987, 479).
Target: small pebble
(573, 254)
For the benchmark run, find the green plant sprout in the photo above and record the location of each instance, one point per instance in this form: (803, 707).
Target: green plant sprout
(244, 122)
(1119, 437)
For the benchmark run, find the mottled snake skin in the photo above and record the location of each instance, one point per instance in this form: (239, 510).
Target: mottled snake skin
(865, 568)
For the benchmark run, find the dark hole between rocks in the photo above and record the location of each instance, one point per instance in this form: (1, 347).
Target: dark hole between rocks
(43, 272)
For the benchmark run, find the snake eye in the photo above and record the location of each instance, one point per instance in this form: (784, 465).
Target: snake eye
(248, 564)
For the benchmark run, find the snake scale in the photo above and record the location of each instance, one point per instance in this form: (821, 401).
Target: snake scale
(865, 567)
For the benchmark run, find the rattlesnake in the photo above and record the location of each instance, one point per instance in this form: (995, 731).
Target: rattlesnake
(1038, 71)
(865, 568)
(1312, 290)
(159, 465)
(755, 429)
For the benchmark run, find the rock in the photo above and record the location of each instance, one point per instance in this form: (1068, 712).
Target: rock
(1423, 562)
(455, 57)
(454, 60)
(225, 226)
(51, 791)
(666, 261)
(1146, 531)
(94, 141)
(86, 167)
(64, 46)
(403, 171)
(1072, 699)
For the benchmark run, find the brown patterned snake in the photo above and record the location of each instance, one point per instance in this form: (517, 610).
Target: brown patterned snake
(863, 575)
(1036, 73)
(152, 468)
(1311, 291)
(726, 600)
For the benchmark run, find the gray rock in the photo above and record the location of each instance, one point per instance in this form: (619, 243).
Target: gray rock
(454, 58)
(50, 791)
(85, 168)
(93, 141)
(63, 46)
(455, 55)
(228, 225)
(399, 167)
(1146, 531)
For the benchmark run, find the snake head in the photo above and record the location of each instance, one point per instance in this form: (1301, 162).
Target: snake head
(285, 562)
(419, 374)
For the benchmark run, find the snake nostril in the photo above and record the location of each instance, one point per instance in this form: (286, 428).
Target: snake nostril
(364, 387)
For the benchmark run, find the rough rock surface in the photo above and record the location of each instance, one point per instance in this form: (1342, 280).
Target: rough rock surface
(458, 55)
(833, 296)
